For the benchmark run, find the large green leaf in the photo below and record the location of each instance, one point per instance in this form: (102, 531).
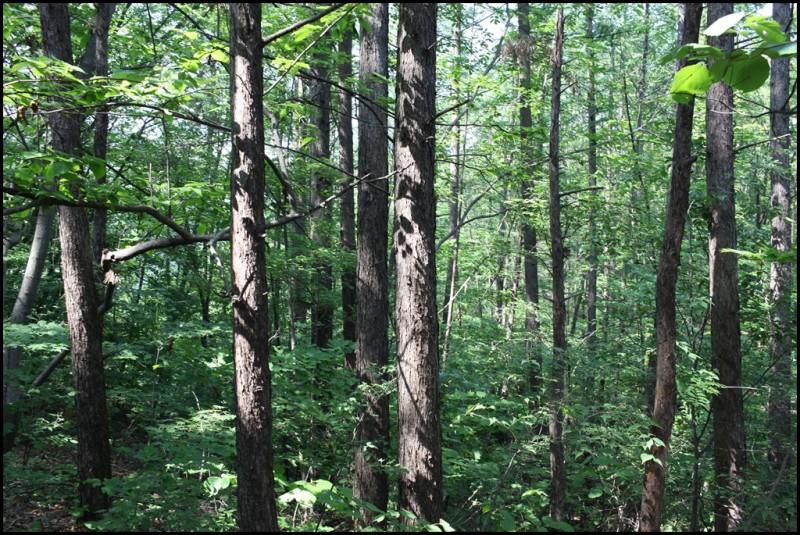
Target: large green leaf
(690, 81)
(766, 28)
(747, 75)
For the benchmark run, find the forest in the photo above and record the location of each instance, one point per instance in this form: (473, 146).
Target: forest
(399, 267)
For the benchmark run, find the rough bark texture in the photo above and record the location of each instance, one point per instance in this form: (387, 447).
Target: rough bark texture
(371, 481)
(558, 476)
(530, 264)
(99, 217)
(347, 210)
(322, 308)
(256, 499)
(85, 331)
(419, 432)
(780, 348)
(727, 406)
(591, 276)
(666, 279)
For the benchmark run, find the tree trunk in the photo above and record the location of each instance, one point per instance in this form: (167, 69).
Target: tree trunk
(19, 315)
(99, 216)
(591, 276)
(530, 265)
(558, 477)
(666, 279)
(419, 433)
(454, 202)
(780, 348)
(347, 225)
(256, 499)
(372, 294)
(85, 328)
(322, 309)
(727, 406)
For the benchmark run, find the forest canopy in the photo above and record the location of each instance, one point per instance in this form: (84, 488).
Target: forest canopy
(472, 267)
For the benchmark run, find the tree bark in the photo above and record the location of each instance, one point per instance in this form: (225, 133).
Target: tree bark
(256, 499)
(666, 280)
(85, 328)
(99, 216)
(727, 406)
(371, 481)
(419, 432)
(782, 318)
(322, 309)
(347, 210)
(530, 264)
(558, 477)
(591, 276)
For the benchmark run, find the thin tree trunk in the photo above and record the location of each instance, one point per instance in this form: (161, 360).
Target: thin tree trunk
(256, 499)
(591, 276)
(666, 280)
(419, 432)
(99, 216)
(19, 315)
(322, 309)
(558, 477)
(454, 202)
(530, 264)
(85, 328)
(727, 405)
(371, 481)
(782, 318)
(347, 225)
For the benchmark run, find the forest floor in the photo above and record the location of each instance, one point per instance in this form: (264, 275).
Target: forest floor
(36, 507)
(36, 494)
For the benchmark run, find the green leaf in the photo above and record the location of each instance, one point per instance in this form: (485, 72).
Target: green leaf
(747, 75)
(782, 50)
(766, 28)
(595, 493)
(690, 81)
(220, 55)
(723, 24)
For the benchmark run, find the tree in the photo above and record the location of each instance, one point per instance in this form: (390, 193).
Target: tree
(86, 335)
(320, 96)
(558, 476)
(529, 240)
(347, 210)
(256, 500)
(418, 430)
(729, 447)
(669, 260)
(780, 282)
(372, 287)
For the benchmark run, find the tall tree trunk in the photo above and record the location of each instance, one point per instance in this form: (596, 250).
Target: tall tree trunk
(347, 210)
(102, 23)
(322, 309)
(19, 315)
(419, 432)
(591, 277)
(85, 328)
(727, 406)
(666, 280)
(372, 292)
(256, 499)
(454, 202)
(530, 265)
(780, 283)
(558, 477)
